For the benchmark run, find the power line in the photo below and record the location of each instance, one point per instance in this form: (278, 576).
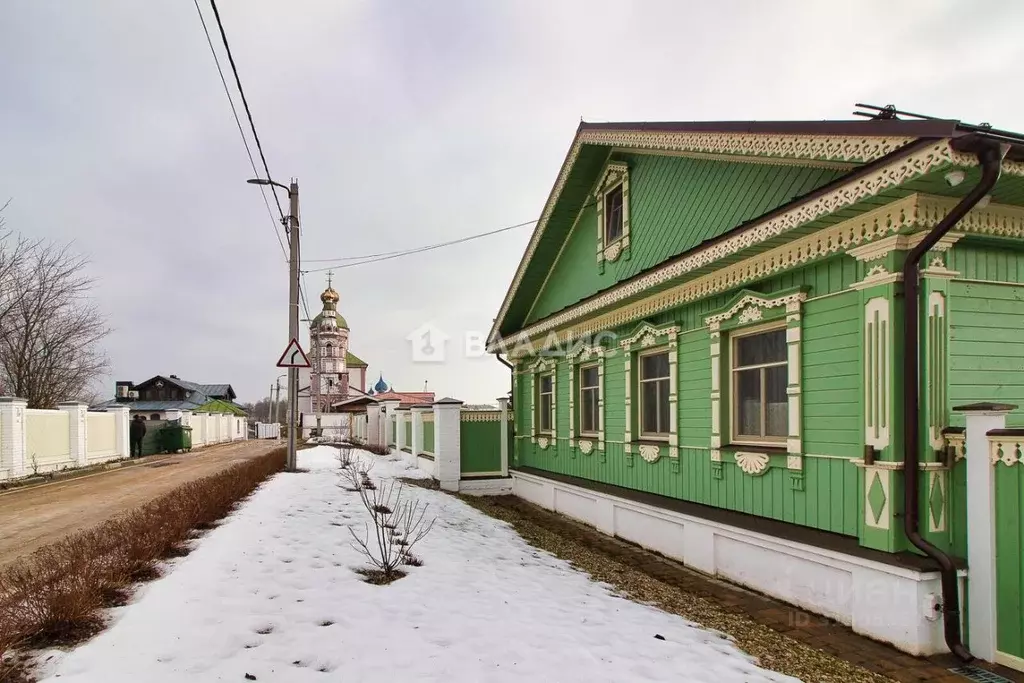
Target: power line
(374, 258)
(238, 122)
(245, 103)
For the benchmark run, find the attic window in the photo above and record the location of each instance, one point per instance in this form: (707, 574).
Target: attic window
(612, 199)
(613, 214)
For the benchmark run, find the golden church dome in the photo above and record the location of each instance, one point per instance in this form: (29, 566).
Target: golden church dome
(329, 295)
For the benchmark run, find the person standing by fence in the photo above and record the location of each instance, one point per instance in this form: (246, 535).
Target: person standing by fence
(136, 432)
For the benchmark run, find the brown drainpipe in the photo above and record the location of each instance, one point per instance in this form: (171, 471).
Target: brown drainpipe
(991, 158)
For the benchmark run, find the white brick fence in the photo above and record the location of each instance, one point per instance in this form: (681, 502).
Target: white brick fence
(37, 441)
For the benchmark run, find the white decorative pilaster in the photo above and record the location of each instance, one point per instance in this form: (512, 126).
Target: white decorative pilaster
(121, 420)
(448, 442)
(628, 402)
(13, 444)
(503, 407)
(716, 399)
(877, 384)
(981, 524)
(77, 432)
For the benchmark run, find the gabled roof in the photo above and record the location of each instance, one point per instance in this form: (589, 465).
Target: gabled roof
(354, 361)
(406, 398)
(857, 147)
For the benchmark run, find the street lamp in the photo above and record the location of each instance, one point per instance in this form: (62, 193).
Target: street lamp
(293, 303)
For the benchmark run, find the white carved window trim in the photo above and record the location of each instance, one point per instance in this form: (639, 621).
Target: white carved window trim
(541, 376)
(734, 336)
(646, 337)
(877, 371)
(615, 174)
(750, 309)
(543, 366)
(582, 357)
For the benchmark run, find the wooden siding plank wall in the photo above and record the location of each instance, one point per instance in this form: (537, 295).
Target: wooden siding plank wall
(675, 204)
(832, 383)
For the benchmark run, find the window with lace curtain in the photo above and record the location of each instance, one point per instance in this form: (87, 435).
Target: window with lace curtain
(760, 406)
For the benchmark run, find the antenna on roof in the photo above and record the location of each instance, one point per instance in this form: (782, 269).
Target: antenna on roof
(889, 111)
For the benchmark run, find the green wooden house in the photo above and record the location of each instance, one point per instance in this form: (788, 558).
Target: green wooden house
(709, 339)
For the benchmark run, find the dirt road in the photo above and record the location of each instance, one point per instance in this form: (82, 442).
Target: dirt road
(33, 517)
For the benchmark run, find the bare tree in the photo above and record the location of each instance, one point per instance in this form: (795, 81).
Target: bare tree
(398, 525)
(50, 330)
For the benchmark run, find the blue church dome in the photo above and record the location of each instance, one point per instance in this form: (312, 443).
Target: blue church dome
(381, 386)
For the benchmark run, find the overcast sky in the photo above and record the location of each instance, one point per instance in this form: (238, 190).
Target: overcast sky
(407, 123)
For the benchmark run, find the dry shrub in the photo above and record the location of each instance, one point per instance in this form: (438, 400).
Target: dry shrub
(376, 449)
(54, 595)
(398, 525)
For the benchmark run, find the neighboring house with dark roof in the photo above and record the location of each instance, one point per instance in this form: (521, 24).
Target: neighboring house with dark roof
(749, 345)
(160, 395)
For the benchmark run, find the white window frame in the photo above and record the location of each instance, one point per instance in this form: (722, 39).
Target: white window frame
(749, 439)
(539, 404)
(640, 380)
(596, 390)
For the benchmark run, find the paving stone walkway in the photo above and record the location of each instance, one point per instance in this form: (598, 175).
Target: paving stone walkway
(784, 638)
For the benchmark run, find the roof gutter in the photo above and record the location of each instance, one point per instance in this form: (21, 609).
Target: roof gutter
(990, 155)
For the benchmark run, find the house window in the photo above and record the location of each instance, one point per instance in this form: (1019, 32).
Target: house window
(613, 214)
(655, 412)
(589, 394)
(545, 403)
(760, 372)
(154, 416)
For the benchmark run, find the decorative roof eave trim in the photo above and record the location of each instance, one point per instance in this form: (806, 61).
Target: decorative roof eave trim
(913, 212)
(922, 160)
(745, 158)
(817, 147)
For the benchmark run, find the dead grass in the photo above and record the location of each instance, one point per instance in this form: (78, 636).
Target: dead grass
(378, 577)
(54, 596)
(376, 449)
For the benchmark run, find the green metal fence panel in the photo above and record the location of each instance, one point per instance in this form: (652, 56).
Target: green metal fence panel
(481, 437)
(428, 436)
(408, 433)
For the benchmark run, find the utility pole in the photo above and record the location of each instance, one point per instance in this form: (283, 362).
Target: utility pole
(293, 316)
(292, 228)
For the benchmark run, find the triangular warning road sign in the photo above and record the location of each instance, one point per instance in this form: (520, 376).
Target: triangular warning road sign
(293, 356)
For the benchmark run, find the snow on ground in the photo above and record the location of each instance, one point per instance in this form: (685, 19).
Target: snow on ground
(271, 593)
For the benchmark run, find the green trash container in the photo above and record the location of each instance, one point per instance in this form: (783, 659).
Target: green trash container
(175, 437)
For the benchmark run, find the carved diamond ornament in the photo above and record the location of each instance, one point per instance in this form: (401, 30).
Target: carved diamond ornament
(753, 463)
(876, 496)
(650, 452)
(936, 502)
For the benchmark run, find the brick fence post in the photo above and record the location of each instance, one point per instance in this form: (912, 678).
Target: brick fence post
(78, 434)
(120, 430)
(448, 442)
(401, 415)
(12, 437)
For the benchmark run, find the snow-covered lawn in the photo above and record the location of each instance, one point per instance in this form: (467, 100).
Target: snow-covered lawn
(272, 593)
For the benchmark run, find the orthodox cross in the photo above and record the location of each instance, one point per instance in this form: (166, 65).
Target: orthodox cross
(330, 273)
